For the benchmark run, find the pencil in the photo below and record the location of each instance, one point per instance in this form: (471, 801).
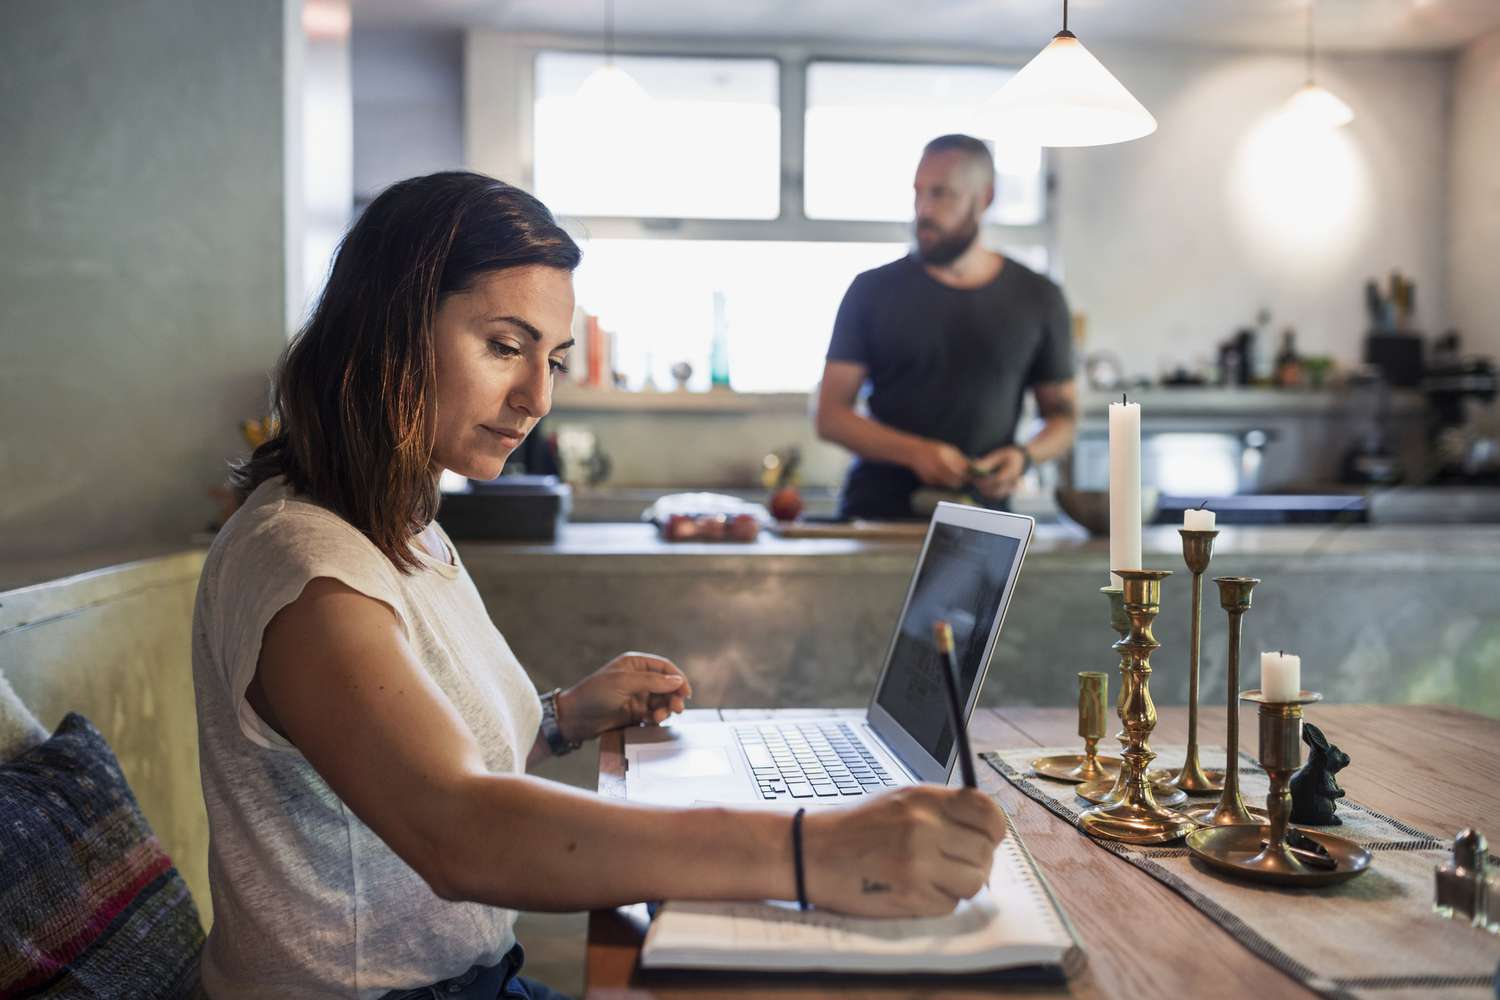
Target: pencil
(943, 635)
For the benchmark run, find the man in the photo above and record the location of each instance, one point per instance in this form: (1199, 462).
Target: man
(949, 338)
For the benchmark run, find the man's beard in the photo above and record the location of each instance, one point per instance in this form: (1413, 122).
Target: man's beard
(948, 246)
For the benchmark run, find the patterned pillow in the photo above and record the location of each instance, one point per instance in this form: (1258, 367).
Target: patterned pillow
(90, 905)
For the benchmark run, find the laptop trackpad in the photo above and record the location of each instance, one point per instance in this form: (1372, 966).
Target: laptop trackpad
(680, 762)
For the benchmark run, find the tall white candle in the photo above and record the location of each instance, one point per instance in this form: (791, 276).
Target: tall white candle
(1194, 519)
(1280, 676)
(1124, 488)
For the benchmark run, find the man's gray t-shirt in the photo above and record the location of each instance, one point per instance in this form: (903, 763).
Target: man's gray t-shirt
(951, 364)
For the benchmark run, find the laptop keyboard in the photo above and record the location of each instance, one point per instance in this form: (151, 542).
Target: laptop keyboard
(810, 760)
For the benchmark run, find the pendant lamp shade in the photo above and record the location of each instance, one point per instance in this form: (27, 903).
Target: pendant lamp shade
(610, 87)
(1316, 107)
(1065, 97)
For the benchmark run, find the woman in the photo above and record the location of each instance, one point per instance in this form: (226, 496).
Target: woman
(365, 729)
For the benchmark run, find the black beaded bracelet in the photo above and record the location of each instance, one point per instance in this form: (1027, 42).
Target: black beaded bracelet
(797, 858)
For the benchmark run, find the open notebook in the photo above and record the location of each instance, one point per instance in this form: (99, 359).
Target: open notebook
(1014, 923)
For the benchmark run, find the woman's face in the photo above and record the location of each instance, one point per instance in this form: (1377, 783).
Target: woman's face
(499, 345)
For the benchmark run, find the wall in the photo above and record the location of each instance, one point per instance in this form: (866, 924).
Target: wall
(1474, 196)
(1170, 242)
(408, 105)
(141, 261)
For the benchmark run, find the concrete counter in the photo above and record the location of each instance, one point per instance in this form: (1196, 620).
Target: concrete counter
(1379, 614)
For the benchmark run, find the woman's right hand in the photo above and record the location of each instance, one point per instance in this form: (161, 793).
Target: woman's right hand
(912, 851)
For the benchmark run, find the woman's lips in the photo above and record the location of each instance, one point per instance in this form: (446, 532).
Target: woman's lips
(511, 437)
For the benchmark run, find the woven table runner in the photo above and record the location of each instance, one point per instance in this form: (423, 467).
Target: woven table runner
(1374, 937)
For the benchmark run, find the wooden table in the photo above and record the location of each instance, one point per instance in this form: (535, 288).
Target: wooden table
(1434, 767)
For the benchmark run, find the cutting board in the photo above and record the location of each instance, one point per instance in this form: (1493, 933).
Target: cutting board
(911, 531)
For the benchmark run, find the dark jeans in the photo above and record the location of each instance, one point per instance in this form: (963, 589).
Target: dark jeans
(484, 982)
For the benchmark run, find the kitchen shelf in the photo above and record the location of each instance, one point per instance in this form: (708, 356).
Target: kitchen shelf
(575, 399)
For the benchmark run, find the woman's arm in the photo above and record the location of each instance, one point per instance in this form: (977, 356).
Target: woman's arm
(631, 689)
(337, 678)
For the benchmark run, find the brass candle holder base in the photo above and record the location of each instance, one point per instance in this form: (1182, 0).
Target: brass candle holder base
(1218, 815)
(1132, 814)
(1165, 793)
(1272, 852)
(1078, 767)
(1198, 781)
(1240, 850)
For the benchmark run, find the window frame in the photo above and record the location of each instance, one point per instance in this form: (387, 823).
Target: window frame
(791, 224)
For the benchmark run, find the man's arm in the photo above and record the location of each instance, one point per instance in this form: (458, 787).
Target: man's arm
(1057, 405)
(935, 462)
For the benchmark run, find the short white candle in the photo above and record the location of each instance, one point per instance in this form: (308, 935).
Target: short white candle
(1280, 676)
(1124, 488)
(1198, 520)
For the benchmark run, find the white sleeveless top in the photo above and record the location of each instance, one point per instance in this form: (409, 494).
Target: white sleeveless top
(307, 900)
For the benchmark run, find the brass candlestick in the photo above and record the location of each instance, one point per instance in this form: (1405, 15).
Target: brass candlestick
(1280, 755)
(1234, 597)
(1110, 787)
(1197, 550)
(1266, 852)
(1093, 692)
(1135, 816)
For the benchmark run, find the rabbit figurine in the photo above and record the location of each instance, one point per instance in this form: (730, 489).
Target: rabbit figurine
(1315, 794)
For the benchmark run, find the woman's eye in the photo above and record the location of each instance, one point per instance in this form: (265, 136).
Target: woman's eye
(501, 349)
(559, 366)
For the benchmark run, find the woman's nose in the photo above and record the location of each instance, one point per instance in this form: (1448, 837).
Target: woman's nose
(534, 395)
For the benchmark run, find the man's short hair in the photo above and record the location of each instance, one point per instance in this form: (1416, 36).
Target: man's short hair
(975, 149)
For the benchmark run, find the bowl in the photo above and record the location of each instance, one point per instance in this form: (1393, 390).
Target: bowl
(1089, 509)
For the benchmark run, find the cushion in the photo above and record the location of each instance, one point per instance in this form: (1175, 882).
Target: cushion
(90, 905)
(19, 729)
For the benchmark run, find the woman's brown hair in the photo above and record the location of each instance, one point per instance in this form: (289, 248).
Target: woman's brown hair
(353, 390)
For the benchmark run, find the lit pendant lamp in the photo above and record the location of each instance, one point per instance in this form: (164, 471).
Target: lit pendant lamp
(1314, 106)
(609, 86)
(1065, 97)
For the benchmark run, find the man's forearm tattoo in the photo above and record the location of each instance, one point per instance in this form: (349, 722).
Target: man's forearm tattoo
(1062, 410)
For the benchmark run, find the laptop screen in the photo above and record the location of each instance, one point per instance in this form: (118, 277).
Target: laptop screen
(962, 579)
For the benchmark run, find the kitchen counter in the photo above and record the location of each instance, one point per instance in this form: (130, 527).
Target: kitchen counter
(1410, 547)
(1379, 614)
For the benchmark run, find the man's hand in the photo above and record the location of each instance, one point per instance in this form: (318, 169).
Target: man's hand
(937, 463)
(914, 851)
(630, 689)
(1002, 471)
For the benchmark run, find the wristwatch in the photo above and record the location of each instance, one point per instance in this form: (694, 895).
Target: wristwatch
(1026, 460)
(551, 731)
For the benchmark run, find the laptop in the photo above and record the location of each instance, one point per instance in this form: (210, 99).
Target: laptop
(966, 574)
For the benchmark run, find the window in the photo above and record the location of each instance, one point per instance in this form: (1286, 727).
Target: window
(674, 188)
(699, 139)
(866, 126)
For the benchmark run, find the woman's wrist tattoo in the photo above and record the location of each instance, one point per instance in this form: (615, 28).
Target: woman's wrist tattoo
(870, 885)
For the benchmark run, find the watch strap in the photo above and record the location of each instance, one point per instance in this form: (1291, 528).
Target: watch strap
(551, 730)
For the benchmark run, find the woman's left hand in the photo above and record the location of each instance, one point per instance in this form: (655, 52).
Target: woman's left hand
(632, 688)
